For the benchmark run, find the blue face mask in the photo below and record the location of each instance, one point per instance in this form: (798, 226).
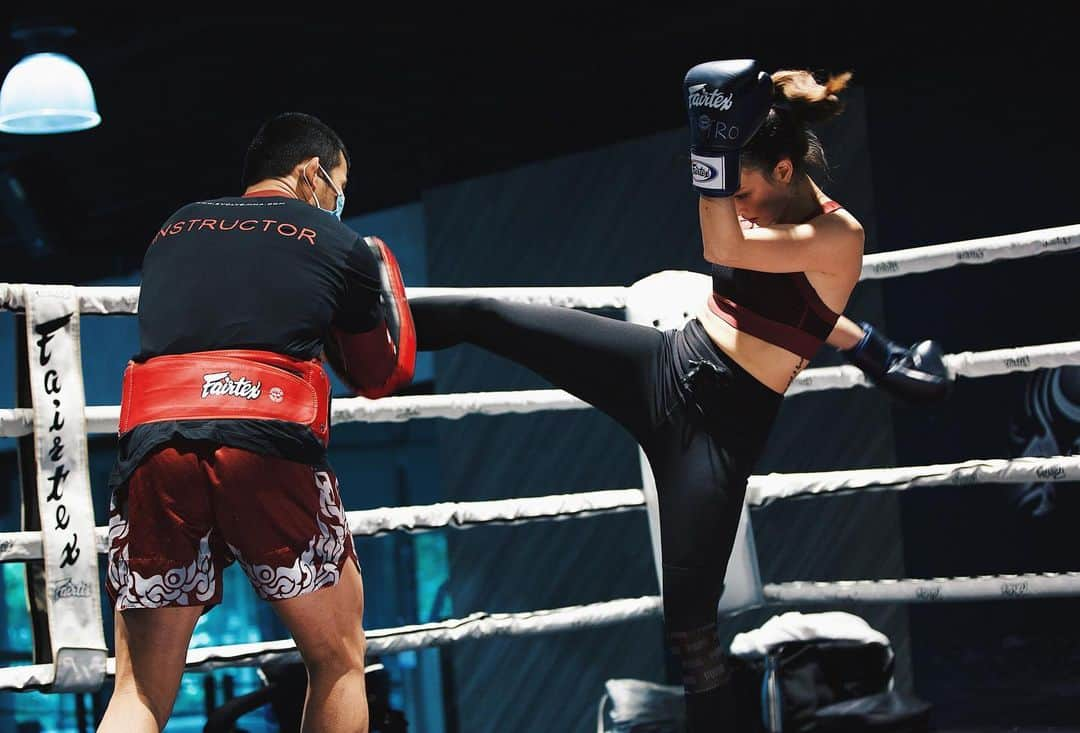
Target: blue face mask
(339, 202)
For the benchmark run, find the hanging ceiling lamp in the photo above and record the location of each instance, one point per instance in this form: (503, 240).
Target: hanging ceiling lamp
(46, 92)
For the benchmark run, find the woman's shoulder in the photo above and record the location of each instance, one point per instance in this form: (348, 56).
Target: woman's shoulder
(834, 213)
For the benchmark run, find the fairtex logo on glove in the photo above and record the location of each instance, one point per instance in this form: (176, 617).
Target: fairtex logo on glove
(714, 99)
(220, 384)
(702, 172)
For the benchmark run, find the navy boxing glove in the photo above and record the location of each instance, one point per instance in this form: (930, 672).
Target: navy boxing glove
(726, 101)
(916, 374)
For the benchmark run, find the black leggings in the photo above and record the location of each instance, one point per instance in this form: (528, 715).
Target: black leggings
(699, 417)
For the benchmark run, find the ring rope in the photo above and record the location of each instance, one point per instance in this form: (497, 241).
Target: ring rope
(465, 514)
(24, 546)
(760, 491)
(763, 490)
(971, 364)
(478, 625)
(484, 625)
(451, 406)
(970, 252)
(118, 300)
(927, 590)
(103, 419)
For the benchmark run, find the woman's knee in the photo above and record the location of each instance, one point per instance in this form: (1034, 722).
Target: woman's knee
(443, 321)
(481, 309)
(476, 318)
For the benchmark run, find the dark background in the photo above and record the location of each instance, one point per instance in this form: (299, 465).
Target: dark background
(429, 97)
(967, 132)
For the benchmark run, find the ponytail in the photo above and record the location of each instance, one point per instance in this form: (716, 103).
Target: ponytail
(799, 100)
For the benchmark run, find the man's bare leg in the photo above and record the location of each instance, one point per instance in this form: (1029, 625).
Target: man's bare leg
(151, 649)
(328, 630)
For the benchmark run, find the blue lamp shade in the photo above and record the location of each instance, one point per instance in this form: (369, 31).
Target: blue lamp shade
(47, 93)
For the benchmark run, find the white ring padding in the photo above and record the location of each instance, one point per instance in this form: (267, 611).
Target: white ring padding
(23, 546)
(928, 590)
(763, 490)
(462, 515)
(125, 299)
(101, 419)
(478, 625)
(970, 252)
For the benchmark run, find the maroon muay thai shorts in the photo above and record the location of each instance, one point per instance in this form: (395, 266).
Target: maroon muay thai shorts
(191, 508)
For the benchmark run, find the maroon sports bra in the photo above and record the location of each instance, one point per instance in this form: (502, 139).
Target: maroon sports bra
(779, 307)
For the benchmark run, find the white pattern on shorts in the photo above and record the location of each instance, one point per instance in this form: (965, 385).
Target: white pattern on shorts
(184, 586)
(316, 567)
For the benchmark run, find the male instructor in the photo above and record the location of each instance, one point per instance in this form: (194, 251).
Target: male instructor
(225, 421)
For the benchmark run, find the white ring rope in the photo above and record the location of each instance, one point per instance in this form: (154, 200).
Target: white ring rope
(23, 546)
(117, 300)
(763, 490)
(484, 625)
(102, 419)
(462, 515)
(926, 590)
(450, 406)
(594, 297)
(478, 625)
(971, 364)
(760, 491)
(977, 364)
(970, 252)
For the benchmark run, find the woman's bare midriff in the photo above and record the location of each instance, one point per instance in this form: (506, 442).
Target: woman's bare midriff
(773, 366)
(769, 364)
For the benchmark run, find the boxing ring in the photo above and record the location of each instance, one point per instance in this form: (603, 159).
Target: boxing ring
(69, 544)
